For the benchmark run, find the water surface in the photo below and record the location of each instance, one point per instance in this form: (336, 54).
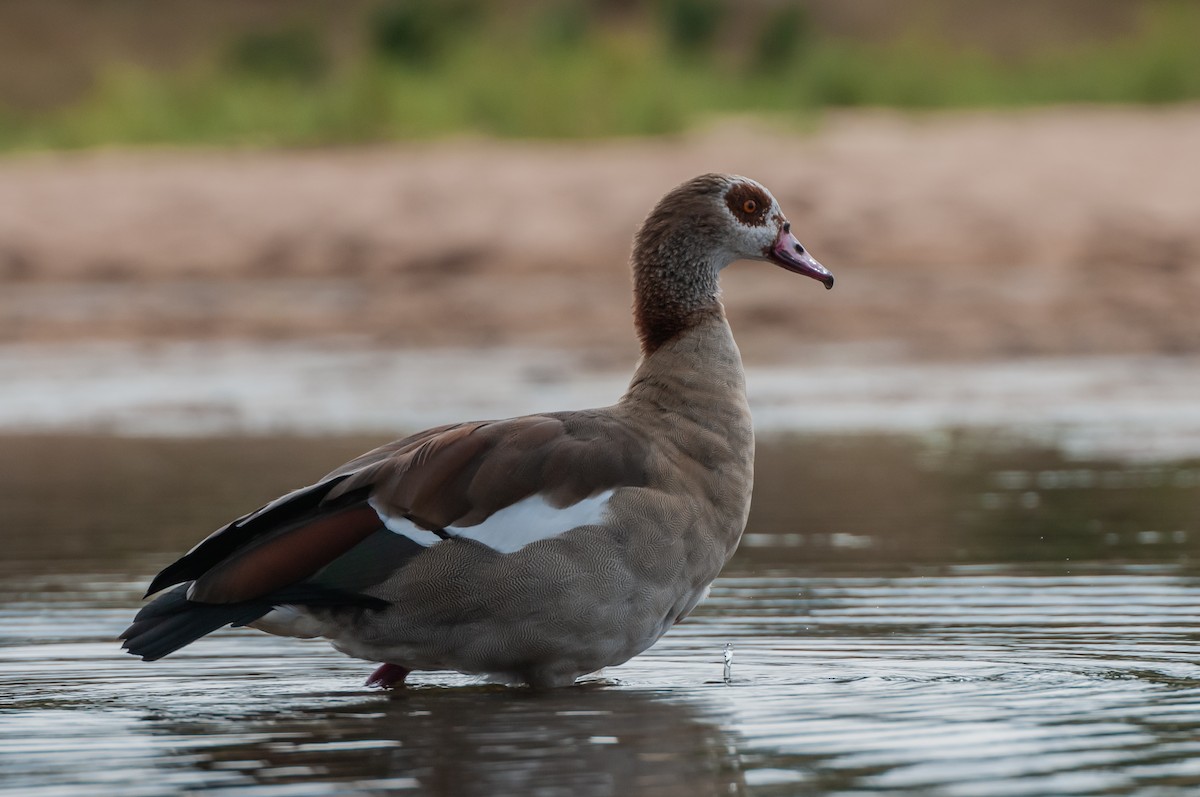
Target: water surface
(913, 617)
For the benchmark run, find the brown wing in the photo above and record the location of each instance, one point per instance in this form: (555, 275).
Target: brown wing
(461, 475)
(456, 475)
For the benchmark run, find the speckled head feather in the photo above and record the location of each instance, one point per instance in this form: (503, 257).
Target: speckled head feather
(697, 229)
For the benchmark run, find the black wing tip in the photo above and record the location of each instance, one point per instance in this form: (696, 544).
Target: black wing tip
(248, 528)
(169, 576)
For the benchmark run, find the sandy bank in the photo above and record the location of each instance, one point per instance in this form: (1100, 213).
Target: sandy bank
(1051, 232)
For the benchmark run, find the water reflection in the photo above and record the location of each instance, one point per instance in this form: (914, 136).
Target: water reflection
(482, 741)
(864, 499)
(967, 499)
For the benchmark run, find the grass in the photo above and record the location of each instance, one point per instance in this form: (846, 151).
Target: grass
(562, 75)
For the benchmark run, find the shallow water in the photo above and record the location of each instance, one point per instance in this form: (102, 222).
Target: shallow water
(1136, 407)
(937, 617)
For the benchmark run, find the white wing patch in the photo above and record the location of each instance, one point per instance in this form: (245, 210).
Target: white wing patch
(512, 528)
(405, 527)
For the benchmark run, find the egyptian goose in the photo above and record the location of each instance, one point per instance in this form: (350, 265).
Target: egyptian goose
(534, 549)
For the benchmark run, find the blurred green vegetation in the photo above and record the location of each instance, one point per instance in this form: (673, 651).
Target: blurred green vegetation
(579, 69)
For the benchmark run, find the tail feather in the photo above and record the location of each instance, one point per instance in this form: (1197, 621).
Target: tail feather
(168, 623)
(171, 621)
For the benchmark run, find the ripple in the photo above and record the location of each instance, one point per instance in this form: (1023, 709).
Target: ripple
(912, 665)
(977, 682)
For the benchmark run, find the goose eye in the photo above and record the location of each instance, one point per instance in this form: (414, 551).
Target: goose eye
(749, 206)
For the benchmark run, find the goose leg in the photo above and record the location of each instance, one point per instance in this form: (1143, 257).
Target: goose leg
(388, 676)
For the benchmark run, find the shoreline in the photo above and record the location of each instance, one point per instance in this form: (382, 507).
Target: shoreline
(1136, 408)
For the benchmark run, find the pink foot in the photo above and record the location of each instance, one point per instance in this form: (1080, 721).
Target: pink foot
(388, 676)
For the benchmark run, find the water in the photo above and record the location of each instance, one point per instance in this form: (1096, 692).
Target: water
(937, 617)
(1136, 407)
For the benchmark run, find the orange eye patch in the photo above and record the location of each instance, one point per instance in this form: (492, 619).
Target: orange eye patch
(749, 204)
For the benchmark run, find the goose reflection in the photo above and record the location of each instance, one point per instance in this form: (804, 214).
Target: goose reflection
(592, 740)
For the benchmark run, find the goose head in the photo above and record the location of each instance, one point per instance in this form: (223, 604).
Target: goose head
(714, 220)
(760, 231)
(694, 232)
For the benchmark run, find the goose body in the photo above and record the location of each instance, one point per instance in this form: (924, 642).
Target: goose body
(534, 549)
